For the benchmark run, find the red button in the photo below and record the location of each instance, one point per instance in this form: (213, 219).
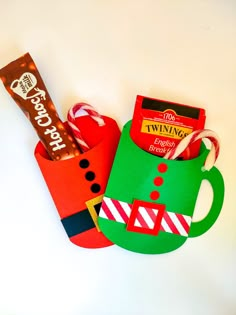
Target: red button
(154, 195)
(162, 168)
(158, 181)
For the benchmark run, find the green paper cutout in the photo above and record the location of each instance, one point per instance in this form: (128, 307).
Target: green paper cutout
(133, 178)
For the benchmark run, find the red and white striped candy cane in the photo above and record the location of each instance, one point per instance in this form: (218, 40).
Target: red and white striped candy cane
(71, 116)
(192, 137)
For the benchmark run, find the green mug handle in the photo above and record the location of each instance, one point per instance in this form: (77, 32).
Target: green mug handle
(215, 178)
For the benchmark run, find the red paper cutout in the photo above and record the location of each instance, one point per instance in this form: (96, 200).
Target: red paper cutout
(75, 181)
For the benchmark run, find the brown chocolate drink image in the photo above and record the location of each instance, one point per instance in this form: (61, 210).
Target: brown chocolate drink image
(25, 85)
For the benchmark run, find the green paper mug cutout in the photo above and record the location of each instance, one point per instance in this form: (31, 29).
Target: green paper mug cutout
(149, 201)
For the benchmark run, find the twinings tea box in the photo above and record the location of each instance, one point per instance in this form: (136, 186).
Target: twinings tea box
(158, 125)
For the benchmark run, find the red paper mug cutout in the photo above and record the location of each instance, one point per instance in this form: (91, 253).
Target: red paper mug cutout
(77, 185)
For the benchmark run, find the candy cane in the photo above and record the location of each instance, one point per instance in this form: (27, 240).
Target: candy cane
(192, 137)
(71, 116)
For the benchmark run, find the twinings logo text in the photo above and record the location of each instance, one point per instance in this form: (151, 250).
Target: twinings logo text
(161, 129)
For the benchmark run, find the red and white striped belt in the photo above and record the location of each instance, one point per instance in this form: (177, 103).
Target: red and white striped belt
(145, 217)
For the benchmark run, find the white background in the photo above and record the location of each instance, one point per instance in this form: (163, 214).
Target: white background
(105, 53)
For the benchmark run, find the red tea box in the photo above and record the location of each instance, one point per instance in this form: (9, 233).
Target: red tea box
(158, 125)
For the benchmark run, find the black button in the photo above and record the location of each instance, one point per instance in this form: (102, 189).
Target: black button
(84, 163)
(90, 176)
(95, 188)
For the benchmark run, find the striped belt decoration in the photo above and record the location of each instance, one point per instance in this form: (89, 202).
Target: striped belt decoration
(120, 211)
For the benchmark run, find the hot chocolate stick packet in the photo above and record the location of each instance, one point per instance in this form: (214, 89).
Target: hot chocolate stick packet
(76, 179)
(158, 126)
(25, 85)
